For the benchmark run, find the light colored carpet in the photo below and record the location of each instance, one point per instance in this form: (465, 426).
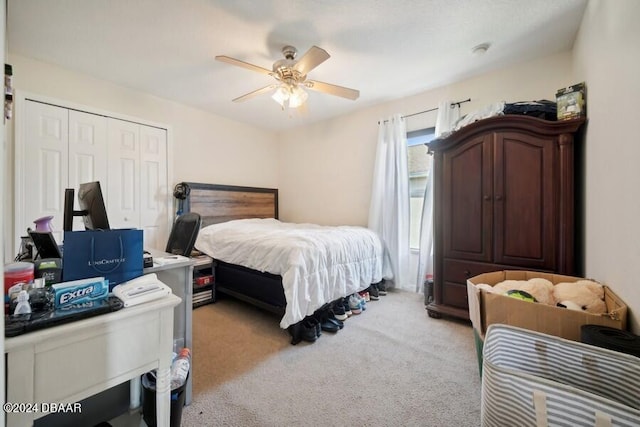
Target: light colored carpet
(392, 365)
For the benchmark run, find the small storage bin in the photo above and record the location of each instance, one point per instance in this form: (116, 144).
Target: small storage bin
(149, 402)
(534, 379)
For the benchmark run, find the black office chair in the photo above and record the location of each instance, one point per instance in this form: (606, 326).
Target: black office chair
(183, 234)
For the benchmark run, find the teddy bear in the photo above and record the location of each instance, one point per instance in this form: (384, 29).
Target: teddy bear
(585, 295)
(540, 289)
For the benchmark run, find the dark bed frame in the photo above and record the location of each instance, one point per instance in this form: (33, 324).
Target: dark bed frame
(219, 203)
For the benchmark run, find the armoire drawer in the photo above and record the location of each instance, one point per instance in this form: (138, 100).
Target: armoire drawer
(459, 271)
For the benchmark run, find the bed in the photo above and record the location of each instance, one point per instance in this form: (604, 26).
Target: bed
(260, 270)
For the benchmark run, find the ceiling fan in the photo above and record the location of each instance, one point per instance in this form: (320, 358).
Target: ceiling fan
(291, 77)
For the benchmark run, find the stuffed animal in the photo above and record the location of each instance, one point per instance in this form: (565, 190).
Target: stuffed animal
(585, 295)
(539, 288)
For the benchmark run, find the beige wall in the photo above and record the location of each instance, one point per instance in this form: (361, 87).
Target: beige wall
(607, 59)
(326, 169)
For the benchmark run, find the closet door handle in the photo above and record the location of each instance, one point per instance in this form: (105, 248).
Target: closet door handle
(487, 197)
(498, 197)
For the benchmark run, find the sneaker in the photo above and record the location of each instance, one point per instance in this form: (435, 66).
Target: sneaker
(309, 330)
(354, 304)
(363, 303)
(347, 308)
(338, 311)
(365, 295)
(373, 292)
(329, 326)
(382, 288)
(335, 321)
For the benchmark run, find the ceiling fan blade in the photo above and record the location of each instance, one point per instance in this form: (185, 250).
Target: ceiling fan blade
(344, 92)
(311, 59)
(254, 93)
(243, 64)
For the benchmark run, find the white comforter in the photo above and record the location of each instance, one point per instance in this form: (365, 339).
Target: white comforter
(318, 264)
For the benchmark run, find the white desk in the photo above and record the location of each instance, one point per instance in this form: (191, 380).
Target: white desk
(179, 277)
(68, 363)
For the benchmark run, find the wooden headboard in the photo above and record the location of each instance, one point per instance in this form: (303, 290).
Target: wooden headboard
(219, 203)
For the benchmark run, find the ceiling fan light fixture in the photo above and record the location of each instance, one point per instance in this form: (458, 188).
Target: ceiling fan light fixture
(281, 95)
(298, 97)
(290, 96)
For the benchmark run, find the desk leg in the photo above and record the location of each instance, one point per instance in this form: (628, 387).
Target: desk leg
(163, 375)
(163, 397)
(20, 385)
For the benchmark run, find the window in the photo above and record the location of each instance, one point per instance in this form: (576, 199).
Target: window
(418, 160)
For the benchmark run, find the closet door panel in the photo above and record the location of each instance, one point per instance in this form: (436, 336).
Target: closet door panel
(123, 175)
(46, 174)
(153, 186)
(87, 153)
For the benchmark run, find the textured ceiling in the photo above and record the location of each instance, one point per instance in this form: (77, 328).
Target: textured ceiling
(386, 49)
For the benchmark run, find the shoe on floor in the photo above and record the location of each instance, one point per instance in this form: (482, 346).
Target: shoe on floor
(363, 303)
(338, 311)
(373, 292)
(308, 331)
(313, 323)
(346, 306)
(331, 318)
(382, 288)
(354, 304)
(329, 326)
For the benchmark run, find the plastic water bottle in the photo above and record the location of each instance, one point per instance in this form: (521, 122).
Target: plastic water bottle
(180, 368)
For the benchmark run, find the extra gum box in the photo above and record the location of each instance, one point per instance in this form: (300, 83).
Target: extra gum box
(80, 291)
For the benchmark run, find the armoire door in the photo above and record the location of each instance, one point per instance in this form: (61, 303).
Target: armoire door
(524, 200)
(466, 197)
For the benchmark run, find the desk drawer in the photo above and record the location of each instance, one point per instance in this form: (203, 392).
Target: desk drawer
(109, 354)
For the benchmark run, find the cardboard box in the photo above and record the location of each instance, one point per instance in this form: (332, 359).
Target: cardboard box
(486, 308)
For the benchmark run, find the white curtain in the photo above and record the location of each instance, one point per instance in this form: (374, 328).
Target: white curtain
(389, 210)
(448, 114)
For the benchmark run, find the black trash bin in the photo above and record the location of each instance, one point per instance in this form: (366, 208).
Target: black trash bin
(149, 402)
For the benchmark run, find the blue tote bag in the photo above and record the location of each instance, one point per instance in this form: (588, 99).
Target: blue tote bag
(114, 254)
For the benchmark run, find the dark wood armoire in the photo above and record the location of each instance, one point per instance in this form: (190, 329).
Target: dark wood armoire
(503, 200)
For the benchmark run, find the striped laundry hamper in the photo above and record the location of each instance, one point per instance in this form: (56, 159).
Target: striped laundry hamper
(534, 379)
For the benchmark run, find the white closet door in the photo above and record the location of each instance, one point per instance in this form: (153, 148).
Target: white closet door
(153, 187)
(123, 185)
(87, 153)
(45, 170)
(58, 147)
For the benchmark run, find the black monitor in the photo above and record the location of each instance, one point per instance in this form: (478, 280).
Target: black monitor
(91, 202)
